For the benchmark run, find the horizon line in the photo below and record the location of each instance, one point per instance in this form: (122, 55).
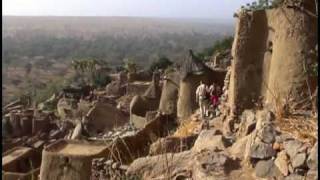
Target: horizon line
(119, 16)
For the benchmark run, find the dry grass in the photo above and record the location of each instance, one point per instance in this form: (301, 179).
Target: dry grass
(187, 127)
(299, 127)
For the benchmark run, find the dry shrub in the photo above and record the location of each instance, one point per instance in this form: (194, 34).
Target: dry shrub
(289, 121)
(281, 103)
(187, 127)
(304, 129)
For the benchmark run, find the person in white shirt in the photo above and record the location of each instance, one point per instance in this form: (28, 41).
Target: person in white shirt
(201, 98)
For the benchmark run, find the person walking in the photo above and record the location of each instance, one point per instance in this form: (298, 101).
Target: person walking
(201, 98)
(215, 97)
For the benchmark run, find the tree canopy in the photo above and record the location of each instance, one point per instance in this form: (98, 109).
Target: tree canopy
(161, 63)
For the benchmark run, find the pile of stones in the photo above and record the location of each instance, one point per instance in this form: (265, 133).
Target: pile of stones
(273, 153)
(103, 168)
(223, 107)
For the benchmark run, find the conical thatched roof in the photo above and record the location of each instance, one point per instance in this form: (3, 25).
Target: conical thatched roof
(192, 65)
(154, 90)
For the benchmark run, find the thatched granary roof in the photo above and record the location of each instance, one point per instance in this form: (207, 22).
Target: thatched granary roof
(192, 65)
(154, 90)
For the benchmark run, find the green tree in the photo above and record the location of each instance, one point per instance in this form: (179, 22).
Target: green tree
(130, 66)
(219, 45)
(93, 70)
(161, 63)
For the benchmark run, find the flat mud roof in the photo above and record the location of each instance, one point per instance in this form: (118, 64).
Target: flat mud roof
(15, 154)
(76, 148)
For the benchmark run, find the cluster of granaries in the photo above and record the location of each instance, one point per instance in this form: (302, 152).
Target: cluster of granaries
(208, 98)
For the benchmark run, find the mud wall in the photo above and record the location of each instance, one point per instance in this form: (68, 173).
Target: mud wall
(169, 95)
(268, 52)
(104, 116)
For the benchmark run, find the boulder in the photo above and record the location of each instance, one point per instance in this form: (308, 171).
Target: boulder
(299, 160)
(312, 161)
(267, 134)
(264, 117)
(238, 147)
(281, 162)
(261, 151)
(266, 168)
(183, 165)
(293, 147)
(154, 167)
(210, 165)
(209, 140)
(248, 123)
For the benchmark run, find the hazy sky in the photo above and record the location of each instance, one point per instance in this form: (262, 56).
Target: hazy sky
(149, 8)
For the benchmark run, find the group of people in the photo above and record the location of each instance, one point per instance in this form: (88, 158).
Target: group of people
(207, 97)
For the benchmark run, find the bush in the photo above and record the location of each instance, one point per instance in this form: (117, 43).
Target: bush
(130, 66)
(161, 63)
(220, 45)
(101, 80)
(51, 88)
(262, 4)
